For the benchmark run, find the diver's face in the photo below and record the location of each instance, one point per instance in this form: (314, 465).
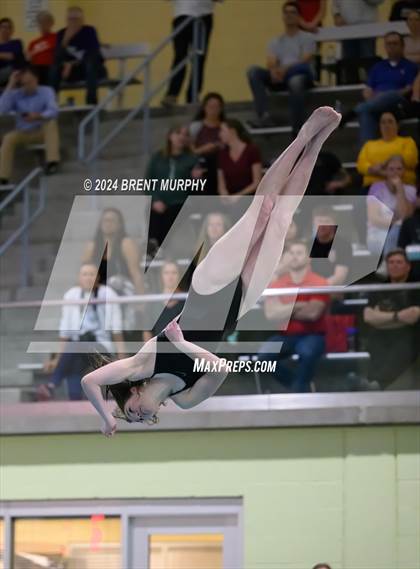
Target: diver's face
(140, 405)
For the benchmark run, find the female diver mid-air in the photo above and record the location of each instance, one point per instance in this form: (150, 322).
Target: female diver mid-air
(235, 273)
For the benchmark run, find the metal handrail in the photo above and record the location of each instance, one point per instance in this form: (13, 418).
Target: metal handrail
(143, 67)
(289, 291)
(28, 219)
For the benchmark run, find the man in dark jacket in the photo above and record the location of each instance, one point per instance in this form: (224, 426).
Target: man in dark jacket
(77, 55)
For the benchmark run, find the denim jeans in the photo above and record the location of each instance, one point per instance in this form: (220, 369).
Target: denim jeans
(72, 367)
(369, 112)
(182, 43)
(354, 49)
(297, 80)
(90, 69)
(309, 348)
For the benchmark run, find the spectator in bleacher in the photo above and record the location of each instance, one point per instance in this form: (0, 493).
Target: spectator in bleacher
(214, 227)
(166, 311)
(175, 161)
(119, 257)
(77, 55)
(170, 284)
(416, 89)
(329, 177)
(205, 137)
(374, 153)
(410, 235)
(305, 332)
(40, 51)
(36, 111)
(402, 8)
(289, 66)
(350, 14)
(283, 266)
(412, 41)
(183, 43)
(239, 163)
(11, 51)
(389, 82)
(101, 327)
(393, 318)
(413, 107)
(311, 14)
(327, 245)
(393, 195)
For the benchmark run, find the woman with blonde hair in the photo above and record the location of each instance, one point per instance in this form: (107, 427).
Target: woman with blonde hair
(215, 225)
(390, 195)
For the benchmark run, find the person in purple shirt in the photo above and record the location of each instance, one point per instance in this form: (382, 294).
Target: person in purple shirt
(389, 82)
(36, 111)
(78, 56)
(11, 51)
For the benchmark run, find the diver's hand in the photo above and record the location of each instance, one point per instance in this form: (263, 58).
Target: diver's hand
(173, 332)
(109, 427)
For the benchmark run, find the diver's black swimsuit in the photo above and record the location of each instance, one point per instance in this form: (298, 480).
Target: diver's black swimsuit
(199, 310)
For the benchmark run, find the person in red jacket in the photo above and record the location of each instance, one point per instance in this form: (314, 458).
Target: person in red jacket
(41, 49)
(301, 319)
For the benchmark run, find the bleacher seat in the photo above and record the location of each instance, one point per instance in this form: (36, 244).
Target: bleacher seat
(120, 53)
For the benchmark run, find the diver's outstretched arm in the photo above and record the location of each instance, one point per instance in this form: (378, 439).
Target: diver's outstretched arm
(135, 367)
(110, 374)
(209, 383)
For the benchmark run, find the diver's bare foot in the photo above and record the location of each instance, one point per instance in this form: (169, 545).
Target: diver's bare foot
(323, 118)
(173, 332)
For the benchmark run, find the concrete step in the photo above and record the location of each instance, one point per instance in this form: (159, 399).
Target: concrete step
(12, 353)
(10, 395)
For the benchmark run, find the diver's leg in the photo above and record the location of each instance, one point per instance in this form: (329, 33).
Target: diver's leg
(236, 252)
(263, 259)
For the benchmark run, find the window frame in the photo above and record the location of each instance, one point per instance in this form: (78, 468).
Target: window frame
(129, 511)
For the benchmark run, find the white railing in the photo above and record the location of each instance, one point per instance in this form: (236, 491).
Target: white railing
(141, 298)
(28, 217)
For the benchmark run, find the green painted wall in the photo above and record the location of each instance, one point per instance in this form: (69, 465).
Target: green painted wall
(347, 495)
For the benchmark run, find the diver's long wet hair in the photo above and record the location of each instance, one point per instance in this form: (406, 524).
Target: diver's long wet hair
(121, 392)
